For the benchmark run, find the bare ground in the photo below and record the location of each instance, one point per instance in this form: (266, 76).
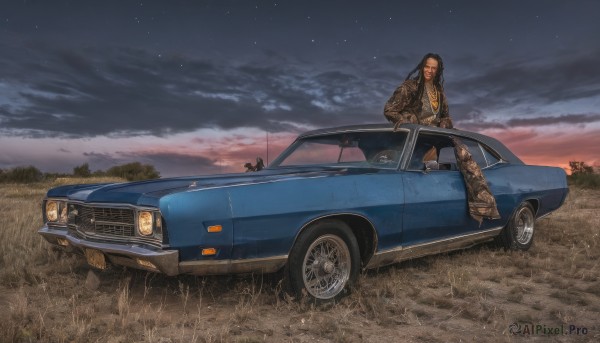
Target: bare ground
(471, 295)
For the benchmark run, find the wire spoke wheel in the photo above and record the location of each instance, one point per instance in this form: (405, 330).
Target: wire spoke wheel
(326, 267)
(324, 262)
(518, 233)
(524, 223)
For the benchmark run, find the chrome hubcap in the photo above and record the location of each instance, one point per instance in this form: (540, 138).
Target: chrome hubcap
(524, 221)
(326, 267)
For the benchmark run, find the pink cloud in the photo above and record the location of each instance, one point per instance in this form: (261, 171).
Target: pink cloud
(550, 147)
(227, 153)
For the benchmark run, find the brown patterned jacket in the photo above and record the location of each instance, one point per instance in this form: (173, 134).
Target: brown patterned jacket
(404, 106)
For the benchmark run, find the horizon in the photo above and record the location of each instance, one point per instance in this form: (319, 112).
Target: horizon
(195, 88)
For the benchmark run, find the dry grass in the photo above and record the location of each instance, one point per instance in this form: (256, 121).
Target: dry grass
(472, 295)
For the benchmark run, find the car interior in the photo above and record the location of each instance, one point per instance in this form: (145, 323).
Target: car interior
(433, 152)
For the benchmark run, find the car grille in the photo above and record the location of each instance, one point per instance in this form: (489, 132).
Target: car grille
(104, 221)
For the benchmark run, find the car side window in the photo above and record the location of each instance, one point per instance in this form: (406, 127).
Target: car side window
(476, 152)
(436, 152)
(433, 151)
(490, 157)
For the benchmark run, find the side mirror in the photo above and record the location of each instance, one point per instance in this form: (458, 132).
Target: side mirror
(260, 165)
(430, 165)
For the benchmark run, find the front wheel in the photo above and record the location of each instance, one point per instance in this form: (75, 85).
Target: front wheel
(324, 262)
(518, 233)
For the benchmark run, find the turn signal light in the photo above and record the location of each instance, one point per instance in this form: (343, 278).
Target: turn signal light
(215, 228)
(209, 252)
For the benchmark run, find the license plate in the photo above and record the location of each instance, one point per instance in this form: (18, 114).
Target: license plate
(95, 258)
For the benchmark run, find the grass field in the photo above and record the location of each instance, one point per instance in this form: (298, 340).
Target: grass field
(473, 295)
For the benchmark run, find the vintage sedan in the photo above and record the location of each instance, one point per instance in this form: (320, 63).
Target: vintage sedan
(335, 202)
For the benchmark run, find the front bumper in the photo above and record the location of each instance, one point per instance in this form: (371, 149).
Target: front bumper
(161, 261)
(129, 255)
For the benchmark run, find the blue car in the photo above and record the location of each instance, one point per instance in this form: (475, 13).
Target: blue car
(335, 202)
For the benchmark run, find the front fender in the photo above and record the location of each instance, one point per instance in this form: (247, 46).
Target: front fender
(188, 215)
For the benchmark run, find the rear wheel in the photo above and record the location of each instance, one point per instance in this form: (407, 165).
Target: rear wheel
(324, 262)
(518, 233)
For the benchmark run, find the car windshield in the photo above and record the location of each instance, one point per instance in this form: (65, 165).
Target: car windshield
(348, 149)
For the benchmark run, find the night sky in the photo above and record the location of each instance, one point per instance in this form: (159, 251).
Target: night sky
(195, 87)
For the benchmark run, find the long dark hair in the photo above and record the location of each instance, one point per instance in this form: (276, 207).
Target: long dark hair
(438, 79)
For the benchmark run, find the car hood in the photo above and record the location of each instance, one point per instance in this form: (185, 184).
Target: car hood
(147, 193)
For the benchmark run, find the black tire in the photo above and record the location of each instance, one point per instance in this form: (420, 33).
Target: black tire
(518, 233)
(324, 262)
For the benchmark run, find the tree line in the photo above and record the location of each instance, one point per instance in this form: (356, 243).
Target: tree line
(134, 171)
(583, 175)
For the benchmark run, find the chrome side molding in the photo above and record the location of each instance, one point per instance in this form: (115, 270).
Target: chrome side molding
(408, 252)
(217, 267)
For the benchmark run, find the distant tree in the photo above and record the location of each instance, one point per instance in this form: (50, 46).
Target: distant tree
(134, 171)
(22, 175)
(82, 171)
(578, 167)
(583, 176)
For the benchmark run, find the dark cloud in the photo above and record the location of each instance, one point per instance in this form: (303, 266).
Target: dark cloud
(130, 92)
(478, 126)
(84, 70)
(476, 121)
(563, 119)
(502, 84)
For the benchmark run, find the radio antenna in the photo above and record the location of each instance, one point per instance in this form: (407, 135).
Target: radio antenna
(267, 148)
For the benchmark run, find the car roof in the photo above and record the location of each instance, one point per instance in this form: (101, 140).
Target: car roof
(491, 142)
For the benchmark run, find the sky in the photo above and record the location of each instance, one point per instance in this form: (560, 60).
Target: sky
(196, 87)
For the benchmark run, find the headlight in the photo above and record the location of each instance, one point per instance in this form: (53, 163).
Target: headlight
(56, 211)
(52, 211)
(145, 223)
(63, 213)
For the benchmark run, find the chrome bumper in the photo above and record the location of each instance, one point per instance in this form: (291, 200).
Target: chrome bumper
(129, 255)
(162, 261)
